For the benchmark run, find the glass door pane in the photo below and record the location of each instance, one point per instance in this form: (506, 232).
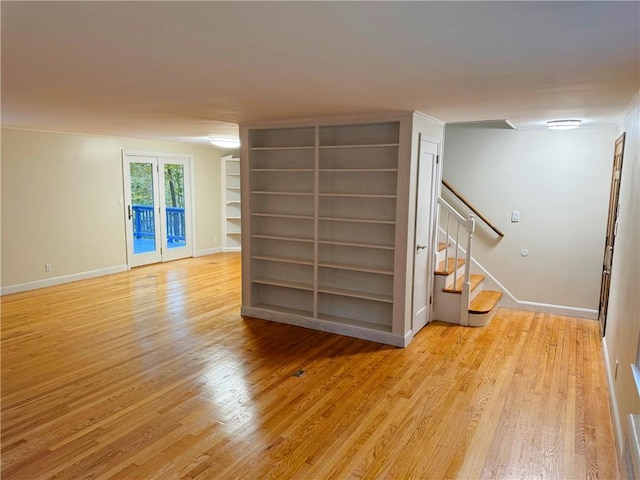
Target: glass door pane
(142, 207)
(174, 195)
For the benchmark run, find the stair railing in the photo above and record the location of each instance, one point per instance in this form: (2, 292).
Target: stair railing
(472, 208)
(469, 225)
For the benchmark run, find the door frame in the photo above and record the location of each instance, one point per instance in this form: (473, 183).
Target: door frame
(190, 226)
(433, 229)
(611, 232)
(153, 256)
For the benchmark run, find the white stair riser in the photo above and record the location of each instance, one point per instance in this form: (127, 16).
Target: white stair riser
(446, 305)
(449, 278)
(440, 280)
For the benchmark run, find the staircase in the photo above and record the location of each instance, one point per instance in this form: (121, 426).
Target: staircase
(447, 295)
(458, 294)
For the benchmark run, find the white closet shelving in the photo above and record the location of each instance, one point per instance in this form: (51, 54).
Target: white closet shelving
(323, 248)
(357, 183)
(281, 183)
(231, 204)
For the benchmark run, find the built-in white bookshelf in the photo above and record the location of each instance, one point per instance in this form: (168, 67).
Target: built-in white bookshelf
(231, 204)
(323, 245)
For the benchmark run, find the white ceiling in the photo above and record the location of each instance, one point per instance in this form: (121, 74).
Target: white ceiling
(185, 70)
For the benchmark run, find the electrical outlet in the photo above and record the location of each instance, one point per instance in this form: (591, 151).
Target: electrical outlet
(47, 267)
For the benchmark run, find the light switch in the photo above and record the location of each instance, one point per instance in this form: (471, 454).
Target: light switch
(515, 216)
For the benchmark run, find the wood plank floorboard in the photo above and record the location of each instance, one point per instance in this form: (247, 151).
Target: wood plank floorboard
(153, 374)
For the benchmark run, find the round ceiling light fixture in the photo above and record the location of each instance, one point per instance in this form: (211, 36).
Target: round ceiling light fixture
(564, 124)
(224, 142)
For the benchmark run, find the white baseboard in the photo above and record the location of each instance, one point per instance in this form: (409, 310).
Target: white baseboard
(231, 249)
(408, 338)
(208, 251)
(387, 338)
(49, 282)
(562, 310)
(614, 403)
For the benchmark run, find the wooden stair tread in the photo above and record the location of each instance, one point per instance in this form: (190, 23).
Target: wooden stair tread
(475, 281)
(441, 246)
(450, 266)
(485, 301)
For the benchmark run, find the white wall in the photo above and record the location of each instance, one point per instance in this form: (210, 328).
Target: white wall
(559, 181)
(623, 317)
(60, 204)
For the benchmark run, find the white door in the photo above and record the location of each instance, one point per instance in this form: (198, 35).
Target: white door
(157, 208)
(423, 268)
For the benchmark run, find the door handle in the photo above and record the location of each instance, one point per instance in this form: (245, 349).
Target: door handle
(420, 247)
(130, 214)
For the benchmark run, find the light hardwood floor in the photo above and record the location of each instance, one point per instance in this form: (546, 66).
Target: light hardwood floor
(153, 374)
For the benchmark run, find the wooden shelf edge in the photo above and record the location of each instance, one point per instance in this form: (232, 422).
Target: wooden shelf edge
(271, 258)
(355, 244)
(355, 268)
(355, 195)
(357, 170)
(355, 294)
(264, 192)
(284, 283)
(264, 149)
(288, 239)
(282, 215)
(360, 145)
(356, 220)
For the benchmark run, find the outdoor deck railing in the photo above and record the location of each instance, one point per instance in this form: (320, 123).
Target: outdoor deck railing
(144, 226)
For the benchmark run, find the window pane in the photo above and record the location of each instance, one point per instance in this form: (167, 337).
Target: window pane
(174, 204)
(144, 228)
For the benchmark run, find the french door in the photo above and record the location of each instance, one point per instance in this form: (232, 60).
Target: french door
(157, 207)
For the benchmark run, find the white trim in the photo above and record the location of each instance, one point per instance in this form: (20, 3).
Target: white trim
(192, 194)
(334, 120)
(147, 153)
(430, 118)
(563, 310)
(49, 282)
(614, 403)
(591, 126)
(387, 338)
(479, 123)
(207, 251)
(408, 338)
(232, 249)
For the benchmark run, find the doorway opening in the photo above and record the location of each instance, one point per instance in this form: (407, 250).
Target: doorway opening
(158, 207)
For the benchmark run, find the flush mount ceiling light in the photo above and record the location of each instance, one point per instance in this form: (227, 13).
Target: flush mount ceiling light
(564, 124)
(224, 142)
